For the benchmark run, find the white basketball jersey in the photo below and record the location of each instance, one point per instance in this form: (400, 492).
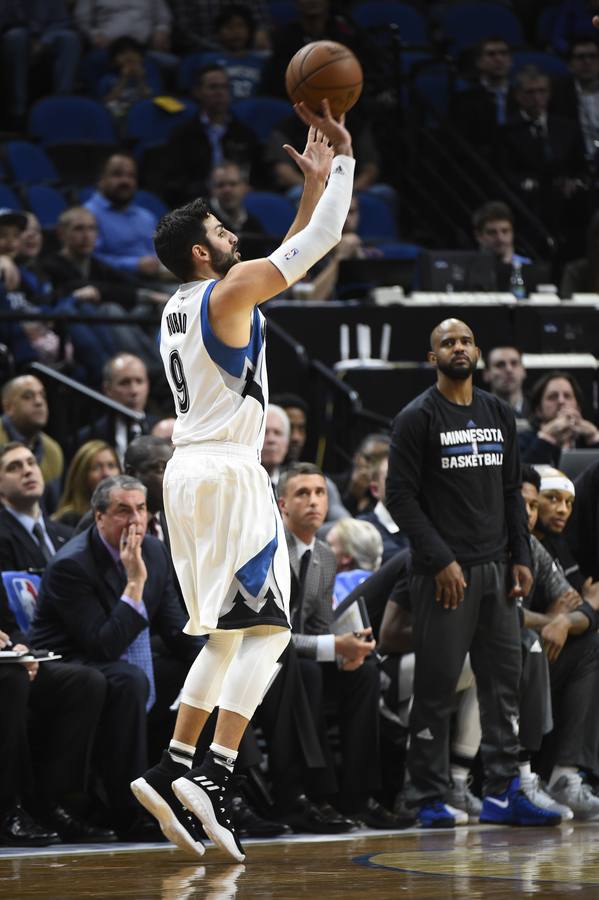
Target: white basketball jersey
(220, 392)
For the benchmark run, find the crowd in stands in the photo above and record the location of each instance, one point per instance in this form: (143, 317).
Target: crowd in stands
(325, 752)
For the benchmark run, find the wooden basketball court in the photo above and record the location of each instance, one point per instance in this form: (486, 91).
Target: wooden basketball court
(475, 862)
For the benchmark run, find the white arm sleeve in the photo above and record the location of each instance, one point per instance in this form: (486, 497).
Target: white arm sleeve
(298, 254)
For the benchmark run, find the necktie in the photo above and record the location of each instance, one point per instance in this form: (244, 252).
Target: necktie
(38, 533)
(500, 104)
(139, 653)
(303, 571)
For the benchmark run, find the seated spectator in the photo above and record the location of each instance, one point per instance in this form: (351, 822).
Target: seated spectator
(146, 458)
(541, 155)
(76, 271)
(296, 409)
(493, 225)
(92, 462)
(228, 186)
(566, 620)
(195, 24)
(358, 549)
(577, 96)
(478, 110)
(92, 344)
(126, 381)
(205, 140)
(275, 452)
(51, 711)
(28, 537)
(581, 276)
(25, 415)
(29, 341)
(504, 375)
(146, 21)
(129, 80)
(234, 31)
(125, 229)
(30, 32)
(556, 401)
(302, 499)
(355, 484)
(393, 539)
(164, 429)
(100, 599)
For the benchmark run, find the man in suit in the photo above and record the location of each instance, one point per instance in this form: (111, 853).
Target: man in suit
(394, 540)
(28, 538)
(25, 415)
(100, 600)
(64, 700)
(126, 381)
(336, 668)
(576, 96)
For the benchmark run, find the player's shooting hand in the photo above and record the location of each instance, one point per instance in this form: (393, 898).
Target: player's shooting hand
(522, 581)
(555, 635)
(451, 585)
(334, 130)
(131, 558)
(315, 161)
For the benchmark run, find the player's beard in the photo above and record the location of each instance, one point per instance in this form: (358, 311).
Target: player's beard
(222, 262)
(457, 372)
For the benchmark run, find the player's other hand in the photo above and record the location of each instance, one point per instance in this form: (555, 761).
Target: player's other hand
(522, 581)
(451, 585)
(333, 129)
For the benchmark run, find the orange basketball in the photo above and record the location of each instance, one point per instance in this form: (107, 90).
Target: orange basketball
(325, 69)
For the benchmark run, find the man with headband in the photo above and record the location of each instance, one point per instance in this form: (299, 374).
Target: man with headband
(556, 501)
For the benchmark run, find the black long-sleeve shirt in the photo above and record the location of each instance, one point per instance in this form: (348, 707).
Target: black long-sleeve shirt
(454, 482)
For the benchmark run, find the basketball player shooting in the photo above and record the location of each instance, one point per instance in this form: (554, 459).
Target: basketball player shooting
(227, 539)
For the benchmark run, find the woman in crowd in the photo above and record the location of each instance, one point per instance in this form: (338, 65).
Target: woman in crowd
(557, 420)
(92, 462)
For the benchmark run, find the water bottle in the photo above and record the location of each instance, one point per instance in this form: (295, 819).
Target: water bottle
(517, 286)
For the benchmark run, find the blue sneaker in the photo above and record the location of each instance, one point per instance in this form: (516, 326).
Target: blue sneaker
(441, 815)
(514, 808)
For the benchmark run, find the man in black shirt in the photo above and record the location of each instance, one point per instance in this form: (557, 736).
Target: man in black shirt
(454, 488)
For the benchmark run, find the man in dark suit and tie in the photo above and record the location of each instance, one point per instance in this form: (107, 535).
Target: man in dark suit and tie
(101, 599)
(126, 381)
(28, 538)
(338, 668)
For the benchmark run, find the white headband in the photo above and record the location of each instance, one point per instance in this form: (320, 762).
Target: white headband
(557, 483)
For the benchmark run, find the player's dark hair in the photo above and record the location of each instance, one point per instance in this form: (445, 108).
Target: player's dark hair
(531, 476)
(177, 232)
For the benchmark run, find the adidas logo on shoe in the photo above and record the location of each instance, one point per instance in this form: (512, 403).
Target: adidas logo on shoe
(206, 783)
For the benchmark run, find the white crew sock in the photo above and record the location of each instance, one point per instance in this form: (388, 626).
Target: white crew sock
(525, 770)
(459, 774)
(223, 756)
(181, 753)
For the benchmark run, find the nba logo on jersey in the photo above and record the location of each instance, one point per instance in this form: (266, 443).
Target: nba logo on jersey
(291, 253)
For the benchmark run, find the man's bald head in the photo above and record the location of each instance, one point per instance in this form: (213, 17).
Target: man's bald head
(453, 350)
(24, 401)
(445, 326)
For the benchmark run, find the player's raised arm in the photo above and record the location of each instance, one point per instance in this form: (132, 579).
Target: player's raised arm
(255, 281)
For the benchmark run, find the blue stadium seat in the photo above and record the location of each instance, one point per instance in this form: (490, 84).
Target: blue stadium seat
(412, 25)
(276, 213)
(29, 163)
(151, 125)
(377, 221)
(399, 250)
(464, 24)
(46, 202)
(8, 198)
(553, 65)
(262, 114)
(282, 12)
(70, 120)
(150, 201)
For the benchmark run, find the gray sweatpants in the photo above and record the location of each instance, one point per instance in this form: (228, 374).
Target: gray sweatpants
(486, 625)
